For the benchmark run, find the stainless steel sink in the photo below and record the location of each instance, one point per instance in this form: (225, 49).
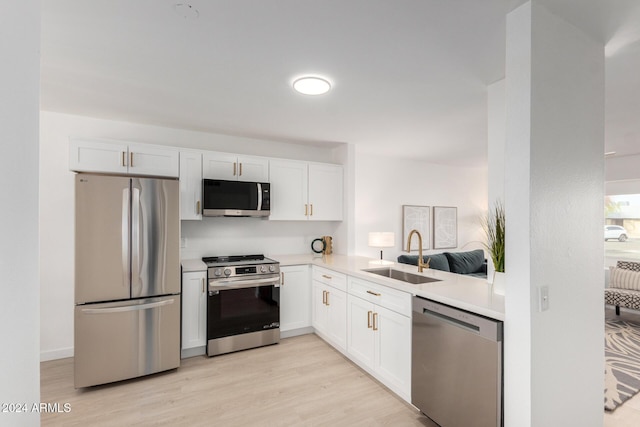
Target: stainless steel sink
(403, 276)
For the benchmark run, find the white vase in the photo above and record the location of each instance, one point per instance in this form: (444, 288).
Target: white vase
(498, 285)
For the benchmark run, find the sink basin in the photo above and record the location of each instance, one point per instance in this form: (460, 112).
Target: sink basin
(403, 276)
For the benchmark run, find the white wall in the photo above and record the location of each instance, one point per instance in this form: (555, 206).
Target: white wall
(19, 305)
(212, 236)
(554, 210)
(383, 185)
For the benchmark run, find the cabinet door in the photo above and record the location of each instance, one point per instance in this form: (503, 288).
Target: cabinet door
(194, 309)
(155, 161)
(253, 169)
(393, 350)
(325, 192)
(319, 310)
(360, 334)
(220, 166)
(295, 297)
(190, 185)
(288, 190)
(87, 155)
(337, 317)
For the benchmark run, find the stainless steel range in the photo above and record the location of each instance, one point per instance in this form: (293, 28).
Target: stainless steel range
(243, 306)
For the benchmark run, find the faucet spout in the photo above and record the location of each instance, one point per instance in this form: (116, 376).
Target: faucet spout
(421, 264)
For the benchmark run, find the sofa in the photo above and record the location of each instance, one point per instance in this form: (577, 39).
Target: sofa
(470, 263)
(624, 286)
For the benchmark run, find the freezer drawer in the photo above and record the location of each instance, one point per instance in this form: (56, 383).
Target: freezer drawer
(127, 339)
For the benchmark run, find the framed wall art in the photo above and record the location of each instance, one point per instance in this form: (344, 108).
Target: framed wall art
(415, 218)
(445, 227)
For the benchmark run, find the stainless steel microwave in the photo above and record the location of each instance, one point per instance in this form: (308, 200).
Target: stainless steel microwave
(235, 198)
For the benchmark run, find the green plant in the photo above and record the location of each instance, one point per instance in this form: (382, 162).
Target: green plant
(493, 226)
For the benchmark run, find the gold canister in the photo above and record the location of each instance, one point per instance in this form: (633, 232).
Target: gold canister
(328, 245)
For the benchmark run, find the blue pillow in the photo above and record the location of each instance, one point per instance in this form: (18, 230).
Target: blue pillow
(465, 262)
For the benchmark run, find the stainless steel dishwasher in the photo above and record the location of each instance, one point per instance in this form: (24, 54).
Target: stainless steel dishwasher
(456, 366)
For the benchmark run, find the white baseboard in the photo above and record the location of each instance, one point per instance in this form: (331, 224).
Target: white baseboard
(295, 332)
(61, 353)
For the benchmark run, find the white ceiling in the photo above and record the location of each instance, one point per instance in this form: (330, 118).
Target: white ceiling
(409, 76)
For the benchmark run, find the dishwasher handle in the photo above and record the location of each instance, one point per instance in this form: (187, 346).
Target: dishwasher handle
(487, 328)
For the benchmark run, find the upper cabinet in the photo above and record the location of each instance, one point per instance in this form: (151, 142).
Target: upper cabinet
(92, 155)
(231, 167)
(190, 185)
(305, 191)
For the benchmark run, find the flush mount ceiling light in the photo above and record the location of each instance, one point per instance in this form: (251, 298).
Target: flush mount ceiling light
(311, 85)
(186, 11)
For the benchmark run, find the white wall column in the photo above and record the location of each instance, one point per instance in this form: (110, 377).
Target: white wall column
(20, 302)
(496, 139)
(554, 209)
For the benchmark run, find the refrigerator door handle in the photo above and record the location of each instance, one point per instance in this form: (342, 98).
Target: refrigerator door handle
(135, 240)
(136, 307)
(126, 267)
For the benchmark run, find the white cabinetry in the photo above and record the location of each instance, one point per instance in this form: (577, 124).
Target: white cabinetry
(194, 313)
(190, 185)
(295, 298)
(231, 167)
(93, 155)
(305, 191)
(379, 333)
(329, 301)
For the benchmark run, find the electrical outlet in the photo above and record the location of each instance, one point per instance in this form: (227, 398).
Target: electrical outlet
(543, 298)
(183, 242)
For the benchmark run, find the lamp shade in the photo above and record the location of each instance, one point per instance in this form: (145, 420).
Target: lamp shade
(382, 239)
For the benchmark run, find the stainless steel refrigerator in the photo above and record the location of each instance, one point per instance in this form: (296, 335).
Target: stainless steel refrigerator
(127, 278)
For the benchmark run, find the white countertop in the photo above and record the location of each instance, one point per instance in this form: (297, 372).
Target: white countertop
(457, 290)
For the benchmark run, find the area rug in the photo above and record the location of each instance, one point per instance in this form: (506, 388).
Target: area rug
(622, 362)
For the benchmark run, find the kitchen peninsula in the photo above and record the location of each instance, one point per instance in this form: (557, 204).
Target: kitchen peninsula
(365, 316)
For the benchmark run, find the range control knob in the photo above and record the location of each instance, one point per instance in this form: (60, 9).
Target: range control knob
(227, 271)
(272, 268)
(217, 272)
(263, 269)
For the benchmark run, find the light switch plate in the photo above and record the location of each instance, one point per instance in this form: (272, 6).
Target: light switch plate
(543, 298)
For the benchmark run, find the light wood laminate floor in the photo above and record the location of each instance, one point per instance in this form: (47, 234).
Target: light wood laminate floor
(301, 381)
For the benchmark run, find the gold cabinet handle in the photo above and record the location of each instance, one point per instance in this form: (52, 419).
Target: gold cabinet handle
(198, 207)
(324, 297)
(328, 298)
(131, 159)
(282, 278)
(235, 165)
(375, 321)
(306, 210)
(369, 318)
(124, 159)
(203, 285)
(311, 213)
(373, 293)
(240, 174)
(327, 277)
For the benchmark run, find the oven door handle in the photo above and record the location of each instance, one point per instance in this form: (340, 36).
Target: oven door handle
(239, 284)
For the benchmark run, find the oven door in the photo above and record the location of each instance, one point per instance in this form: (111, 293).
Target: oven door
(241, 306)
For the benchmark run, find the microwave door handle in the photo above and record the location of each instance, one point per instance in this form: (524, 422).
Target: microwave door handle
(259, 196)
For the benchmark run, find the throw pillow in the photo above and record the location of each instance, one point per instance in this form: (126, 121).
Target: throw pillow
(437, 262)
(465, 262)
(622, 278)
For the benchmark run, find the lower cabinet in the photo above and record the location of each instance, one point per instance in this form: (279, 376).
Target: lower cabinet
(330, 314)
(295, 299)
(379, 340)
(194, 313)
